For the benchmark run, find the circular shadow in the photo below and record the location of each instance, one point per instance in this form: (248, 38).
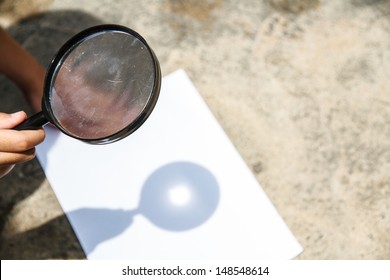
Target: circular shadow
(179, 196)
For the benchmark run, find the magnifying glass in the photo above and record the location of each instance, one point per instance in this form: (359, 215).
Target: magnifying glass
(101, 86)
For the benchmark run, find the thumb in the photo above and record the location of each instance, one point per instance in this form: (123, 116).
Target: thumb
(11, 120)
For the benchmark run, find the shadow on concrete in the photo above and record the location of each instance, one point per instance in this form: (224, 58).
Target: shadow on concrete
(53, 240)
(42, 35)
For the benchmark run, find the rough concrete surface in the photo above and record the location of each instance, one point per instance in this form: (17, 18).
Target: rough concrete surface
(302, 88)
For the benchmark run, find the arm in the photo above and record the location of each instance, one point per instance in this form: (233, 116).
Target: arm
(20, 67)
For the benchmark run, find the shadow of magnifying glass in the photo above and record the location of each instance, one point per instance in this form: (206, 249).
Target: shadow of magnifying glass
(177, 197)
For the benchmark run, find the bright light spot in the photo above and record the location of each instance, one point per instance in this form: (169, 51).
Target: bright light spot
(180, 195)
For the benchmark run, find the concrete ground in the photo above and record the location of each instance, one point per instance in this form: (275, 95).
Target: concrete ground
(302, 88)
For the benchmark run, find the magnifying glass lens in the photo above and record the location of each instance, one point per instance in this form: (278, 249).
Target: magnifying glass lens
(102, 85)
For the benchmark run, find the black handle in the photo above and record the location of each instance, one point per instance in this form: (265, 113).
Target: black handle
(34, 122)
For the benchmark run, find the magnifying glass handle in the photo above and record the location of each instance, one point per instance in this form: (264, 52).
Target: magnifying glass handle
(34, 122)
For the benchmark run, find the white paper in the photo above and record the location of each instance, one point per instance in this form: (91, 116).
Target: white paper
(175, 189)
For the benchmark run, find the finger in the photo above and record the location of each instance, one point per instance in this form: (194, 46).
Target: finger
(14, 158)
(19, 141)
(5, 169)
(11, 120)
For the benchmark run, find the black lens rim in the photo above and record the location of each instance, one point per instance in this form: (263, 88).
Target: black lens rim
(61, 55)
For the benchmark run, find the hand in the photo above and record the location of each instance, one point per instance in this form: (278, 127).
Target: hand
(16, 146)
